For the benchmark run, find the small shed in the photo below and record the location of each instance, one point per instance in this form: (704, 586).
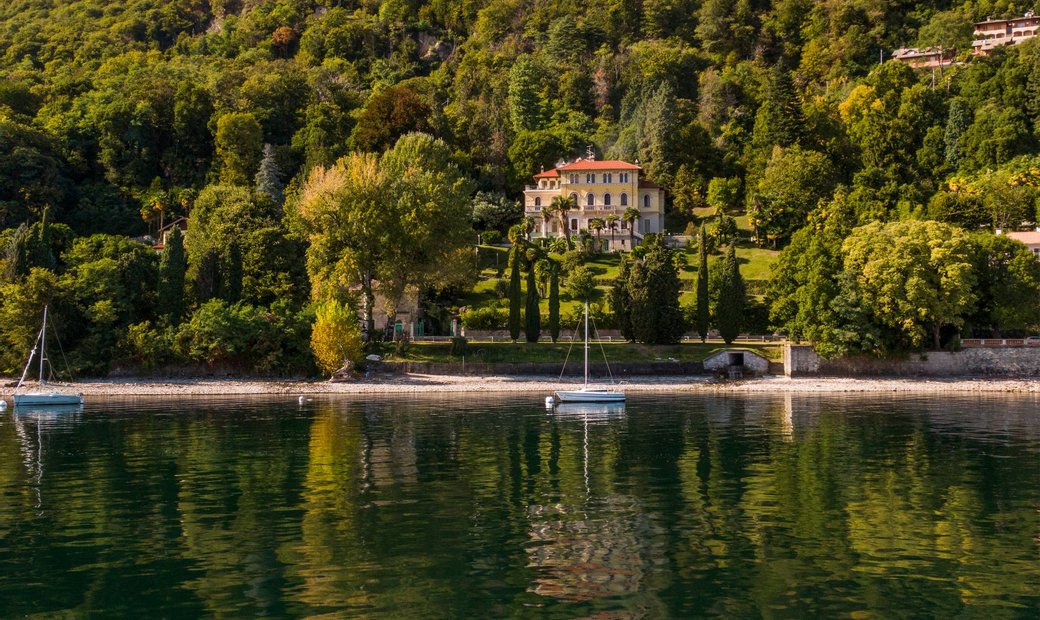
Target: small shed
(745, 361)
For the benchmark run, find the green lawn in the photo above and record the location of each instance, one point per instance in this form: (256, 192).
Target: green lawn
(547, 352)
(755, 264)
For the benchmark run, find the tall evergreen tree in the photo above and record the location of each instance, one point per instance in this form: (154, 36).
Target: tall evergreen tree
(554, 301)
(514, 293)
(957, 122)
(779, 120)
(621, 300)
(532, 315)
(653, 286)
(231, 276)
(659, 128)
(269, 177)
(729, 309)
(524, 104)
(702, 286)
(172, 266)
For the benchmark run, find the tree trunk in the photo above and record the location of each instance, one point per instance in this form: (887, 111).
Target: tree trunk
(935, 336)
(370, 301)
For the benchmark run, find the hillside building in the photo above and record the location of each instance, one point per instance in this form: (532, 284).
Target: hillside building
(600, 188)
(993, 33)
(927, 58)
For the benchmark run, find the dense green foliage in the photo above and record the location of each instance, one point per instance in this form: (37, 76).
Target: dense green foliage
(653, 293)
(118, 117)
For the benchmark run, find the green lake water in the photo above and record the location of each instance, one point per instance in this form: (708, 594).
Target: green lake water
(676, 506)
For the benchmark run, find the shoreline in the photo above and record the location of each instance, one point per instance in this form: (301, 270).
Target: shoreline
(448, 384)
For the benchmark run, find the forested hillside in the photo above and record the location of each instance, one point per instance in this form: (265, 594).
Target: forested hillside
(118, 116)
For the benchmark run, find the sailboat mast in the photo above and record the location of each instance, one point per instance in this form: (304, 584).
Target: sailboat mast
(586, 344)
(28, 365)
(43, 344)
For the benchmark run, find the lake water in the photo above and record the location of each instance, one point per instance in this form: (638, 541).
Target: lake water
(676, 506)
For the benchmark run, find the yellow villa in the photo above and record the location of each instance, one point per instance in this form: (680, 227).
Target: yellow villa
(600, 188)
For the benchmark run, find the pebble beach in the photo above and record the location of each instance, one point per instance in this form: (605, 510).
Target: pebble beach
(423, 384)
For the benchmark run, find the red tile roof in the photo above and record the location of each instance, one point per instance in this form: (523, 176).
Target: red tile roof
(596, 164)
(548, 174)
(648, 184)
(1030, 237)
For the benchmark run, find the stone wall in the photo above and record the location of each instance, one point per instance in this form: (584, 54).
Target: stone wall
(978, 362)
(799, 360)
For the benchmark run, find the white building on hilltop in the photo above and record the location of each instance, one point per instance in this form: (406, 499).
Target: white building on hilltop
(600, 189)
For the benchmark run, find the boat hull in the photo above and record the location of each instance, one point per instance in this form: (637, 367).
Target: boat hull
(590, 396)
(47, 399)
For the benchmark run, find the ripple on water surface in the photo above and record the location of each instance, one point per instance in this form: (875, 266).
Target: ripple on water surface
(670, 506)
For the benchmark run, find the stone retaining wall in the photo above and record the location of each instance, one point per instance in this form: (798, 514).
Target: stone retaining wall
(976, 362)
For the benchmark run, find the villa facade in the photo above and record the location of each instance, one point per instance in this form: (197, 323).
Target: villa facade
(993, 33)
(600, 188)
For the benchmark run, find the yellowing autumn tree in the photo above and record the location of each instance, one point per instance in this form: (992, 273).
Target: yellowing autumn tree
(335, 337)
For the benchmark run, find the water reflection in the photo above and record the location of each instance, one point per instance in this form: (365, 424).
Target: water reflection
(692, 506)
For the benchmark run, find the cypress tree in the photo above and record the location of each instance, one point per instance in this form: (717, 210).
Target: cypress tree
(514, 294)
(729, 308)
(172, 266)
(621, 299)
(554, 301)
(231, 278)
(702, 287)
(532, 315)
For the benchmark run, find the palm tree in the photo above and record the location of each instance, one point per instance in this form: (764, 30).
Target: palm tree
(547, 216)
(612, 224)
(631, 215)
(561, 205)
(597, 225)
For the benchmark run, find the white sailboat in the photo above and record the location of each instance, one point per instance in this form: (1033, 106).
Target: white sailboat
(587, 394)
(42, 398)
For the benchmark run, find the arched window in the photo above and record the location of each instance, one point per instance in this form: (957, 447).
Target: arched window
(574, 197)
(646, 201)
(538, 201)
(624, 200)
(590, 200)
(606, 200)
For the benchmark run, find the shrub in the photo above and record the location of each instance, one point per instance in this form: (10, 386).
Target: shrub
(485, 318)
(581, 284)
(148, 346)
(491, 237)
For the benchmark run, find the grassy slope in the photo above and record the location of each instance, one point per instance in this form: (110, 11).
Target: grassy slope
(755, 264)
